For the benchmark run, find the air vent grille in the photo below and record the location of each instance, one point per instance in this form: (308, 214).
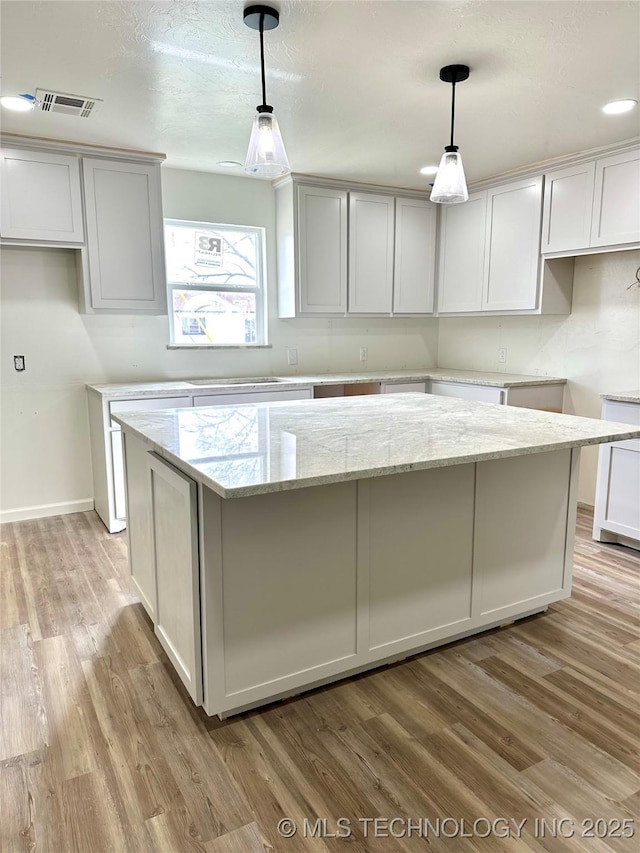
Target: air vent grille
(71, 105)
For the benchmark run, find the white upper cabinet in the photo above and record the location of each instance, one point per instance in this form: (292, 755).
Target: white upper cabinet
(322, 250)
(461, 260)
(568, 203)
(593, 206)
(616, 200)
(512, 250)
(124, 237)
(371, 239)
(414, 270)
(41, 198)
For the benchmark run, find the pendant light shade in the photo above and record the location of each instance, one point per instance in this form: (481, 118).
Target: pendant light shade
(450, 185)
(266, 156)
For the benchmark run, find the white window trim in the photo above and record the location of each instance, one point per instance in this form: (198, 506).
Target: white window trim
(262, 330)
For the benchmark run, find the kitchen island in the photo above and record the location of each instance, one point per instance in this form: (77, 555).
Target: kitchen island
(279, 546)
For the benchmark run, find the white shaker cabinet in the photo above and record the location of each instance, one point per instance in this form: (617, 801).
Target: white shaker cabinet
(461, 259)
(567, 208)
(617, 509)
(371, 239)
(512, 248)
(125, 260)
(322, 250)
(616, 200)
(414, 268)
(41, 197)
(174, 525)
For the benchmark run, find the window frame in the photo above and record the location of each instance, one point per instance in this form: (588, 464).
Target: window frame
(259, 290)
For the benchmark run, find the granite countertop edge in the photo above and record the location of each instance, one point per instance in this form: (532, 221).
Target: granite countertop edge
(171, 388)
(623, 396)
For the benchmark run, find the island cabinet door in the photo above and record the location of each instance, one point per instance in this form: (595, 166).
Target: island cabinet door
(523, 542)
(176, 567)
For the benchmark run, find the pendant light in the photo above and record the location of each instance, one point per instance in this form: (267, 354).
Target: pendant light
(450, 186)
(266, 156)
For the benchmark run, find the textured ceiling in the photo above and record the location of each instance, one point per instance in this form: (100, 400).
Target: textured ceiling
(354, 83)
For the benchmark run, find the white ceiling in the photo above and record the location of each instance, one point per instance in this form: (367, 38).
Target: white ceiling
(354, 83)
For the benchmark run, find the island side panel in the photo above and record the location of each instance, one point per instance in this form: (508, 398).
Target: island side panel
(523, 550)
(279, 592)
(418, 560)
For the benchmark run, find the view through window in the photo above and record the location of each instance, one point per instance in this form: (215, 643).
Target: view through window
(216, 284)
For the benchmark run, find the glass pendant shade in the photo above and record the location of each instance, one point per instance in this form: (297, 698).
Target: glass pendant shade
(450, 186)
(266, 156)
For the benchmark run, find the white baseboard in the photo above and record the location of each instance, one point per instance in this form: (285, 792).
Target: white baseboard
(29, 512)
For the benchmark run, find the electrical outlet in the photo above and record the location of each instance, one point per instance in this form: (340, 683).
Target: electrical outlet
(502, 355)
(364, 354)
(292, 355)
(18, 362)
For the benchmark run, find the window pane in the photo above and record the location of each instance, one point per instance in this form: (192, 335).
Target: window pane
(205, 317)
(225, 258)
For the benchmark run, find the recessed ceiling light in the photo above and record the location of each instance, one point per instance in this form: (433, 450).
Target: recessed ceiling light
(229, 164)
(18, 103)
(623, 106)
(428, 170)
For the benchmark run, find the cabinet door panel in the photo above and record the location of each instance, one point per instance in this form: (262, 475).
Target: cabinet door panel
(512, 249)
(403, 387)
(481, 393)
(124, 236)
(414, 266)
(175, 550)
(461, 259)
(251, 397)
(322, 256)
(568, 203)
(41, 197)
(371, 236)
(616, 207)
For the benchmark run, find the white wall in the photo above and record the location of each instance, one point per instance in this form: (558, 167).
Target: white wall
(44, 446)
(597, 347)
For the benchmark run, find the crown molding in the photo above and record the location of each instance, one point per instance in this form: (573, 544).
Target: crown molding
(68, 147)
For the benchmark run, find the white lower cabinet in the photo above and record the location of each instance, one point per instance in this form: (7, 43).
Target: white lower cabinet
(253, 600)
(235, 399)
(617, 509)
(402, 387)
(482, 393)
(547, 397)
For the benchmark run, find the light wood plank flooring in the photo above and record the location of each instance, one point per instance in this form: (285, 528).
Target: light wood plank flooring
(102, 750)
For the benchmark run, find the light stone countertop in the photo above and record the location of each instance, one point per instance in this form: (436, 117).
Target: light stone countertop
(623, 397)
(254, 449)
(472, 377)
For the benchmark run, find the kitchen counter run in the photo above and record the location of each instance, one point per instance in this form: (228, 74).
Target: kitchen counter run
(254, 449)
(442, 374)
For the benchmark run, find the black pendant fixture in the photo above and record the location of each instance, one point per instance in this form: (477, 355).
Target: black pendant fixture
(450, 186)
(266, 156)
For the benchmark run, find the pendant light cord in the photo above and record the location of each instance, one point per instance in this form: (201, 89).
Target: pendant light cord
(264, 85)
(453, 108)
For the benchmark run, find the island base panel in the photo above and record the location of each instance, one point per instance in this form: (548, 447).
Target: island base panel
(455, 550)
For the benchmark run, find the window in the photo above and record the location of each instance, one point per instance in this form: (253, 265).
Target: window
(215, 279)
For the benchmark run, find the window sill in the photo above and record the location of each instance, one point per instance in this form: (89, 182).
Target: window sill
(219, 346)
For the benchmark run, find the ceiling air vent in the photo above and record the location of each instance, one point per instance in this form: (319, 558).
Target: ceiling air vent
(71, 105)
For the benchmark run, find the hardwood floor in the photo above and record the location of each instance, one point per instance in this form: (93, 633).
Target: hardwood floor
(102, 750)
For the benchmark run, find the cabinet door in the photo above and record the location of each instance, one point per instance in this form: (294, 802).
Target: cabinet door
(568, 204)
(461, 258)
(251, 397)
(403, 387)
(414, 266)
(512, 250)
(371, 234)
(125, 237)
(174, 524)
(322, 250)
(616, 204)
(481, 393)
(41, 197)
